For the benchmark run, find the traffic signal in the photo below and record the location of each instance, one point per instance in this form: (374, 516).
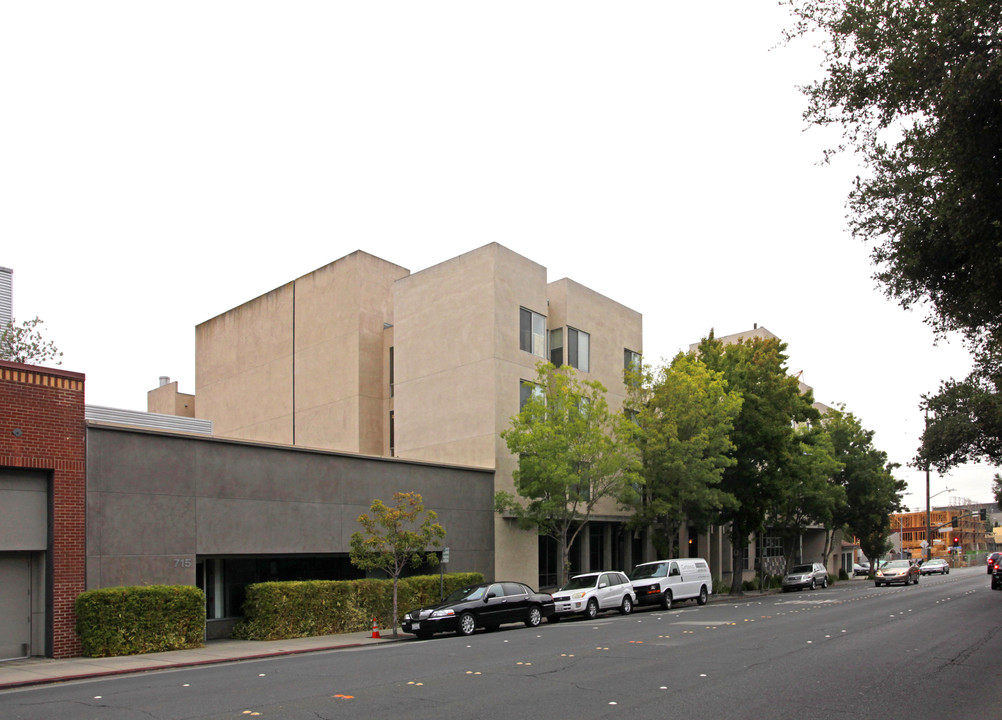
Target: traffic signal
(955, 522)
(956, 541)
(983, 513)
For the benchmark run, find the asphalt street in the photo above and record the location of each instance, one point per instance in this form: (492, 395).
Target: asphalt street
(850, 651)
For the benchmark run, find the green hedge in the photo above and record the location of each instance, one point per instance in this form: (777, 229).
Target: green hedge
(133, 620)
(279, 610)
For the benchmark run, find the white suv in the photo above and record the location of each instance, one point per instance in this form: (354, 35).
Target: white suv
(589, 593)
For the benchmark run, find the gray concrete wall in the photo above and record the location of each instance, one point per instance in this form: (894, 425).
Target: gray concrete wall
(157, 500)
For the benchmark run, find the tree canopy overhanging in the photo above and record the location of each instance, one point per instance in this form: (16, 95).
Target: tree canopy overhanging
(916, 88)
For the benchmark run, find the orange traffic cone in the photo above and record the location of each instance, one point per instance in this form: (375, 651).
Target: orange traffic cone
(375, 630)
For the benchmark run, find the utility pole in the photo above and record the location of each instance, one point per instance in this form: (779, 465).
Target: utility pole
(927, 553)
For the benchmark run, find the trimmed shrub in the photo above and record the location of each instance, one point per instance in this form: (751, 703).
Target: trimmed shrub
(280, 610)
(842, 574)
(134, 620)
(750, 584)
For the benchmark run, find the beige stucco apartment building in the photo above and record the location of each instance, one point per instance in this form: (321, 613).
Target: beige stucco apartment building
(366, 357)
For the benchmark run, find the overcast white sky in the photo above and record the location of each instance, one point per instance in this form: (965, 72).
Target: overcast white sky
(161, 163)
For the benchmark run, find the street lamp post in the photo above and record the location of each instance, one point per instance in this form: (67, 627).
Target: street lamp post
(928, 508)
(928, 512)
(928, 505)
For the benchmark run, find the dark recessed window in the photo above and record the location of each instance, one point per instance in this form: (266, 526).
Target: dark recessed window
(578, 343)
(557, 347)
(526, 390)
(532, 332)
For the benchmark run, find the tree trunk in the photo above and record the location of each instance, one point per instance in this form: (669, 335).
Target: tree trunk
(563, 550)
(789, 548)
(396, 579)
(829, 546)
(738, 543)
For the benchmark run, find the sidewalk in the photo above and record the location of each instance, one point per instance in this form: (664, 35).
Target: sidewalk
(39, 671)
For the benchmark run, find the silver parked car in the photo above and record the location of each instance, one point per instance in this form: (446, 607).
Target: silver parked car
(592, 592)
(808, 575)
(897, 571)
(936, 565)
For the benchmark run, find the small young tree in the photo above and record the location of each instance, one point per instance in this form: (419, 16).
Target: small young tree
(573, 453)
(24, 343)
(394, 537)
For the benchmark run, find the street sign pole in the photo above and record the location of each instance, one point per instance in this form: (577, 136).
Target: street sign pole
(441, 574)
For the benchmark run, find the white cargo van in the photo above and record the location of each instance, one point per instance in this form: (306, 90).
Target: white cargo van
(666, 581)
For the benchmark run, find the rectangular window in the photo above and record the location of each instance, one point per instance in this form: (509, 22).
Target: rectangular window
(631, 360)
(632, 367)
(391, 371)
(596, 546)
(527, 390)
(524, 393)
(548, 560)
(532, 332)
(769, 546)
(392, 435)
(557, 347)
(577, 349)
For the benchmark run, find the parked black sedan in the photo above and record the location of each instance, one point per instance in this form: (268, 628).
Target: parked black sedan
(487, 605)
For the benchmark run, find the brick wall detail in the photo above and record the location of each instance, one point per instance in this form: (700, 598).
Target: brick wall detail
(42, 428)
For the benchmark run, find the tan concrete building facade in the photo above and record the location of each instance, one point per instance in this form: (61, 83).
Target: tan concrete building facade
(302, 364)
(362, 356)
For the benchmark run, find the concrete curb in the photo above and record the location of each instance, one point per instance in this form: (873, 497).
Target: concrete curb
(71, 675)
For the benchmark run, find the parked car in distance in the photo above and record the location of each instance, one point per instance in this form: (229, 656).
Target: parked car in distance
(860, 569)
(897, 571)
(936, 565)
(993, 561)
(487, 605)
(663, 582)
(590, 593)
(807, 575)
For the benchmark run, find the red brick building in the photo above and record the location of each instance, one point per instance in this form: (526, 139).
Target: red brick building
(42, 509)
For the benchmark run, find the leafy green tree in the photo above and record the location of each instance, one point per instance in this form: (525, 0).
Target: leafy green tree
(997, 490)
(965, 422)
(871, 490)
(766, 444)
(573, 454)
(25, 344)
(812, 495)
(916, 87)
(683, 415)
(395, 537)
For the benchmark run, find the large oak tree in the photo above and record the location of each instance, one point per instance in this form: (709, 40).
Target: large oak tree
(916, 88)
